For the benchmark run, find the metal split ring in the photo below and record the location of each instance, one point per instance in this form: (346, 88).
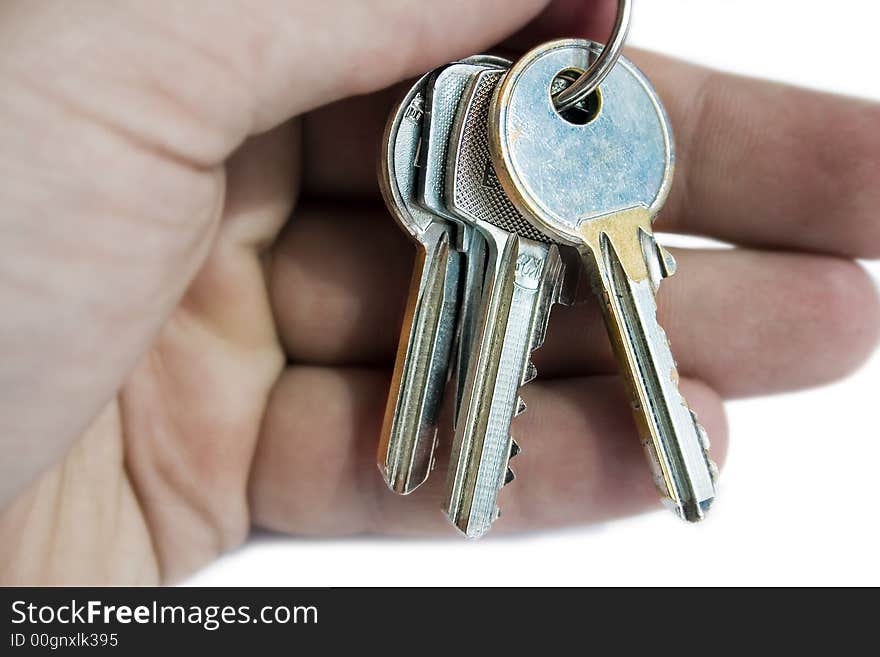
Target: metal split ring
(593, 77)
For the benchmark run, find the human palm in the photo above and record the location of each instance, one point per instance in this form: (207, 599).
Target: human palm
(202, 293)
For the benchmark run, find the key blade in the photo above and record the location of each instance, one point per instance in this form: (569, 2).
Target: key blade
(476, 463)
(674, 441)
(525, 277)
(470, 293)
(409, 431)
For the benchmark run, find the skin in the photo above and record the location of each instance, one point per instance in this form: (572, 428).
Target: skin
(201, 292)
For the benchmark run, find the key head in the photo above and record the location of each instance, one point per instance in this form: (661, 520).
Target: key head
(562, 174)
(444, 94)
(398, 158)
(473, 191)
(405, 144)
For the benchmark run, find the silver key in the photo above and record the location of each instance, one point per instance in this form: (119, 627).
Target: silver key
(443, 95)
(524, 277)
(409, 431)
(597, 186)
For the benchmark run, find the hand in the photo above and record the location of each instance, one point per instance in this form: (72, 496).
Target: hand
(179, 365)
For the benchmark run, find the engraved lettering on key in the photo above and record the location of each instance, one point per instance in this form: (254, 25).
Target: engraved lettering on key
(528, 271)
(415, 110)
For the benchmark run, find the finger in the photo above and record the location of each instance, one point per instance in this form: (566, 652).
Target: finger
(770, 165)
(746, 322)
(757, 163)
(192, 409)
(148, 100)
(219, 71)
(593, 20)
(340, 153)
(315, 474)
(337, 284)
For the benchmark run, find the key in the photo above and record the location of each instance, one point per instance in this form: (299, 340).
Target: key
(409, 430)
(595, 178)
(443, 94)
(524, 277)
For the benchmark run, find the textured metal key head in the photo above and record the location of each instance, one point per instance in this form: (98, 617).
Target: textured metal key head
(444, 95)
(472, 187)
(565, 174)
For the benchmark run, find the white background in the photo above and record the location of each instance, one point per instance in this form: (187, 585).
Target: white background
(799, 496)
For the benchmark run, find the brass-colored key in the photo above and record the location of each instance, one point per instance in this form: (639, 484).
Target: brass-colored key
(594, 177)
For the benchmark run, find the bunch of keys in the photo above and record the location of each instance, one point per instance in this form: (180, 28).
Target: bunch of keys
(516, 182)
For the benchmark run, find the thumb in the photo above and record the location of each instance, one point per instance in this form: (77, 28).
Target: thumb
(194, 78)
(115, 120)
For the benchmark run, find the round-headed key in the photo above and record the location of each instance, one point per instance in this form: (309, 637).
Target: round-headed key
(594, 177)
(409, 431)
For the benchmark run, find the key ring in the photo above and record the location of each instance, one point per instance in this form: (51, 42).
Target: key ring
(590, 81)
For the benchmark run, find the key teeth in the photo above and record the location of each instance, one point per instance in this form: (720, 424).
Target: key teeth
(667, 261)
(530, 374)
(515, 449)
(662, 332)
(713, 471)
(655, 258)
(701, 430)
(509, 474)
(706, 445)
